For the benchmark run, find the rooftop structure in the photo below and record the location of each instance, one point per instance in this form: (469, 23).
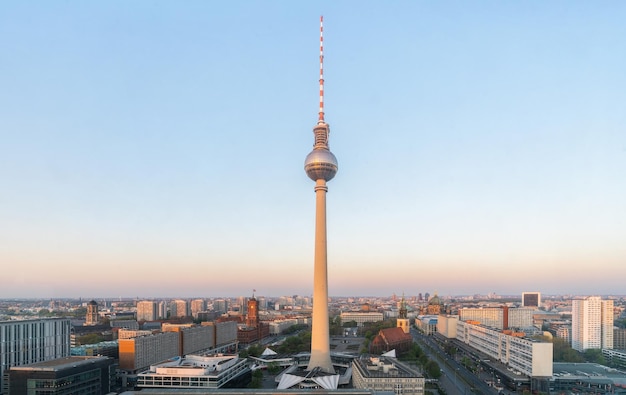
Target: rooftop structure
(195, 371)
(70, 375)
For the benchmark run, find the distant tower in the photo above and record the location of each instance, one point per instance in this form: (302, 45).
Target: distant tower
(321, 166)
(403, 321)
(92, 313)
(252, 318)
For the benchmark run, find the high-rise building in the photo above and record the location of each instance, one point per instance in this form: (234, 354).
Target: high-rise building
(220, 305)
(179, 308)
(592, 323)
(531, 299)
(147, 310)
(162, 310)
(91, 318)
(321, 166)
(197, 305)
(32, 341)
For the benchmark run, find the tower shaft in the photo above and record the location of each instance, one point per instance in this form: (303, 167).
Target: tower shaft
(320, 337)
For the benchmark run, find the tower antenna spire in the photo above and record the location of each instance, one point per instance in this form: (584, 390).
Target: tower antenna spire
(321, 113)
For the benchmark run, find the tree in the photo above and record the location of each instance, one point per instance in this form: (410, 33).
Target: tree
(594, 355)
(563, 352)
(91, 338)
(432, 369)
(257, 379)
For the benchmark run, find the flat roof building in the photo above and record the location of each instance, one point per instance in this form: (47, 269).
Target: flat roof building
(71, 375)
(380, 374)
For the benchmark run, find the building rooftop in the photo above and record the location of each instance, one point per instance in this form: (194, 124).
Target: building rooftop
(381, 367)
(60, 363)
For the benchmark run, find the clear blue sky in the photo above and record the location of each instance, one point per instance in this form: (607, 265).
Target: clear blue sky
(153, 148)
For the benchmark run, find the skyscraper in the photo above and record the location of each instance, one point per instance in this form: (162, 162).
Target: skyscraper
(147, 310)
(321, 166)
(592, 323)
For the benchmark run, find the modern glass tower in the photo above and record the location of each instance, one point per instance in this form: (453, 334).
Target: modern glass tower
(321, 166)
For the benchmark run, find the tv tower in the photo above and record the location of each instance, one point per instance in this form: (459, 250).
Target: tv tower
(321, 166)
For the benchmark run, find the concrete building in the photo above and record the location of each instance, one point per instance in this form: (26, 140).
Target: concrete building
(492, 317)
(195, 371)
(619, 338)
(427, 324)
(531, 299)
(69, 375)
(147, 310)
(31, 341)
(592, 323)
(130, 333)
(616, 357)
(321, 166)
(587, 378)
(529, 357)
(382, 374)
(520, 318)
(277, 327)
(162, 310)
(360, 317)
(220, 305)
(197, 306)
(179, 308)
(138, 353)
(225, 335)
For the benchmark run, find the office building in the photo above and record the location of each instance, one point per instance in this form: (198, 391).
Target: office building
(492, 317)
(179, 308)
(138, 353)
(31, 341)
(520, 318)
(197, 306)
(592, 323)
(69, 375)
(528, 356)
(147, 310)
(220, 305)
(360, 317)
(382, 374)
(531, 299)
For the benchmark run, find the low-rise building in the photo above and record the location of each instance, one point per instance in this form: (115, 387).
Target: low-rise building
(360, 317)
(195, 371)
(380, 374)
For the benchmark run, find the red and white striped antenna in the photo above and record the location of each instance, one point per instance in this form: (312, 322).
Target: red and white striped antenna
(321, 113)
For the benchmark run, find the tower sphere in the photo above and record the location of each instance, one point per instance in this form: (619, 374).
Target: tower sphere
(320, 164)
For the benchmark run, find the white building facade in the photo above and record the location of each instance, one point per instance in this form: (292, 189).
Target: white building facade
(592, 323)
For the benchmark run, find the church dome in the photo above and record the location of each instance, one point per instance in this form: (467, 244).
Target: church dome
(435, 301)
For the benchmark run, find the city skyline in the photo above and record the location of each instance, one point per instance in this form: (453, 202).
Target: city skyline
(156, 149)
